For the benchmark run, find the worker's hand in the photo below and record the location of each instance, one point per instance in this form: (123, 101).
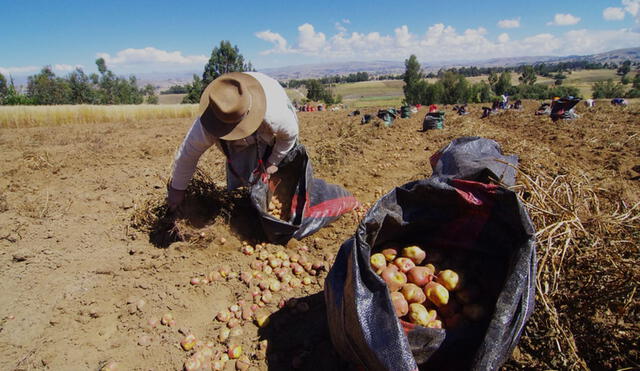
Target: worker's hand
(272, 169)
(175, 198)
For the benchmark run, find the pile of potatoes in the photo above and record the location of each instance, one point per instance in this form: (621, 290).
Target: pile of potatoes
(424, 295)
(271, 281)
(275, 208)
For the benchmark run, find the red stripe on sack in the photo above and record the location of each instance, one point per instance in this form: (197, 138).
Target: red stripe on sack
(332, 208)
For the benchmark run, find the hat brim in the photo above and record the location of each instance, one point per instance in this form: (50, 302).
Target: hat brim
(245, 127)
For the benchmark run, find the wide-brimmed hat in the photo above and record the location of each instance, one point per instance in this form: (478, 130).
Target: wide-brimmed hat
(232, 106)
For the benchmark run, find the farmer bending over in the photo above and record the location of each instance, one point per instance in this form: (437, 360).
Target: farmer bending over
(250, 118)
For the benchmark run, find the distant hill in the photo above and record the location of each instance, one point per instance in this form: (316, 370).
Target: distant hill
(397, 67)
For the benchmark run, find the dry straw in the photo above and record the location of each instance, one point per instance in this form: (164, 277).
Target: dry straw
(30, 116)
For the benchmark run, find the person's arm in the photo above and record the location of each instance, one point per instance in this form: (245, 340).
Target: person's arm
(196, 142)
(286, 134)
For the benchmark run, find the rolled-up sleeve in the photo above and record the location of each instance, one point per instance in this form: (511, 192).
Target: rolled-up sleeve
(286, 135)
(196, 142)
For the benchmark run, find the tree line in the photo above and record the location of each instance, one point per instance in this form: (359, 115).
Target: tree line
(452, 87)
(45, 88)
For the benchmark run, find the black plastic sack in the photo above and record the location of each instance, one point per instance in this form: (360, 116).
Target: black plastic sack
(433, 120)
(562, 109)
(311, 202)
(455, 209)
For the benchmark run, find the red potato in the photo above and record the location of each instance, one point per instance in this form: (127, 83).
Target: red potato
(223, 316)
(419, 315)
(399, 304)
(378, 262)
(394, 278)
(188, 342)
(234, 351)
(404, 264)
(243, 363)
(436, 293)
(390, 254)
(413, 293)
(192, 364)
(420, 275)
(415, 253)
(248, 250)
(455, 321)
(449, 279)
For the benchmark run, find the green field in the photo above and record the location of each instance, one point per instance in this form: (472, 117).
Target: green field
(389, 92)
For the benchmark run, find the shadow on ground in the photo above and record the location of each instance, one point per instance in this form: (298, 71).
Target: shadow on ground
(299, 338)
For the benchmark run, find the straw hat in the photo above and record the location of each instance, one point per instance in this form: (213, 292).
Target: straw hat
(232, 106)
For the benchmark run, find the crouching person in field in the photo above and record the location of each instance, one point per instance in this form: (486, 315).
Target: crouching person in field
(250, 118)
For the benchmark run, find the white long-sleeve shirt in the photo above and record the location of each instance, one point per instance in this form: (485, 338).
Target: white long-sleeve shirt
(279, 128)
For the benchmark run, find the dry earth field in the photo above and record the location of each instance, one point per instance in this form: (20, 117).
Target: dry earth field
(76, 202)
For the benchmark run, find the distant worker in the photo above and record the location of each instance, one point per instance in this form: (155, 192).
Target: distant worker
(590, 102)
(249, 117)
(505, 100)
(619, 102)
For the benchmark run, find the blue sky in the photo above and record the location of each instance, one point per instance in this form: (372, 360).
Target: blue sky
(164, 36)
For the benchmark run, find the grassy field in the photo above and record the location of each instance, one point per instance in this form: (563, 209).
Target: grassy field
(30, 116)
(389, 92)
(170, 98)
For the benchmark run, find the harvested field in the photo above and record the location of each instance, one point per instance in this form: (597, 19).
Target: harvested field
(83, 238)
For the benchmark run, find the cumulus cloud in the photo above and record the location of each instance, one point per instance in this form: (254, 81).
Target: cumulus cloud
(346, 21)
(309, 40)
(152, 57)
(23, 70)
(280, 44)
(509, 23)
(613, 14)
(564, 20)
(440, 42)
(633, 8)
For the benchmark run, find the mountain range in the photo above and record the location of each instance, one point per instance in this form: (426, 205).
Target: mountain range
(397, 67)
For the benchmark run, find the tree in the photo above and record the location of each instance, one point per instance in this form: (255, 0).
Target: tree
(315, 90)
(46, 88)
(625, 68)
(82, 90)
(224, 58)
(607, 89)
(528, 76)
(503, 84)
(4, 89)
(493, 79)
(194, 90)
(412, 76)
(113, 89)
(150, 92)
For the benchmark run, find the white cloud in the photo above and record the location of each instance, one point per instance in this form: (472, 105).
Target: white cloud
(66, 67)
(613, 14)
(633, 8)
(280, 44)
(346, 21)
(440, 42)
(152, 58)
(564, 20)
(309, 40)
(340, 27)
(23, 70)
(509, 23)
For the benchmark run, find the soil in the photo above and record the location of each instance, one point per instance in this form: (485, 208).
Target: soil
(82, 239)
